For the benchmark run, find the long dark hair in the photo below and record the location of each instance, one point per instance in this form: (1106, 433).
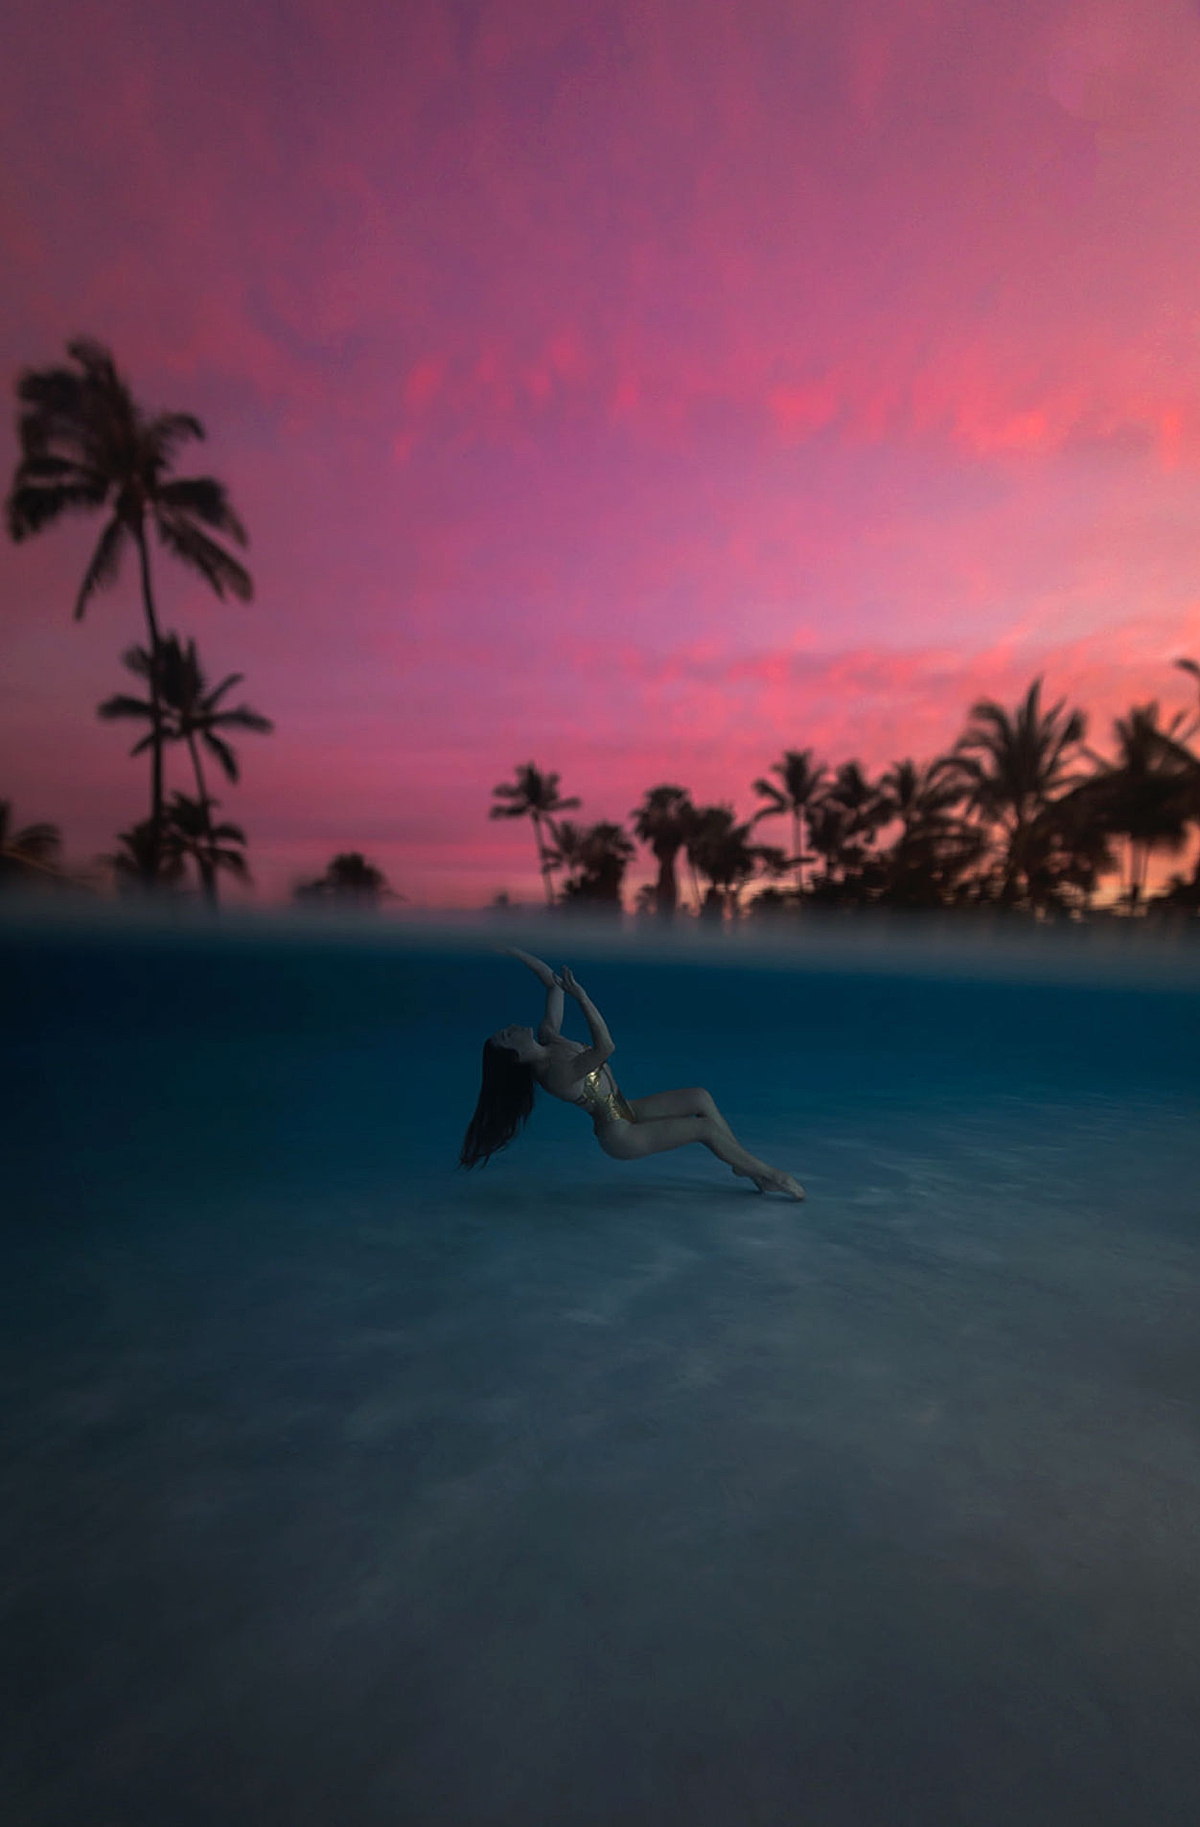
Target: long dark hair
(505, 1101)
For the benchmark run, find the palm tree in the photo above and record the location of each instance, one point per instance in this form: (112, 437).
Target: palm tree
(1067, 852)
(189, 712)
(131, 862)
(829, 827)
(1186, 892)
(1012, 767)
(85, 444)
(533, 795)
(865, 805)
(662, 821)
(349, 879)
(720, 849)
(645, 902)
(190, 832)
(934, 848)
(803, 784)
(1148, 795)
(599, 855)
(28, 852)
(774, 862)
(920, 797)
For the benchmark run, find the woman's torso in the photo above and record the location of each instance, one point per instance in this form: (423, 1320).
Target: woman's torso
(596, 1091)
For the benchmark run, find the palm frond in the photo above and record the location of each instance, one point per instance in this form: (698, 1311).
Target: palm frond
(223, 753)
(778, 801)
(105, 564)
(212, 698)
(205, 499)
(32, 506)
(55, 399)
(204, 555)
(137, 660)
(96, 361)
(241, 717)
(122, 705)
(49, 468)
(170, 429)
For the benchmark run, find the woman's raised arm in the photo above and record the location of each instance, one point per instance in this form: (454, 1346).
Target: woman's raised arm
(602, 1044)
(538, 966)
(551, 1022)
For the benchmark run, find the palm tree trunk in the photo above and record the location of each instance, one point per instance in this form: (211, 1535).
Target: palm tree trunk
(208, 875)
(547, 878)
(695, 884)
(798, 847)
(156, 747)
(1143, 869)
(668, 889)
(1013, 867)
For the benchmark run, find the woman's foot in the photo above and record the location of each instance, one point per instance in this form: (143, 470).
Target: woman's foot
(773, 1179)
(782, 1183)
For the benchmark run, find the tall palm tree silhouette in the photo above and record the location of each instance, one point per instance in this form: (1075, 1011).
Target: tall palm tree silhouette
(190, 712)
(1012, 767)
(349, 880)
(565, 847)
(935, 847)
(598, 856)
(720, 849)
(865, 806)
(85, 444)
(829, 838)
(662, 821)
(535, 796)
(921, 797)
(190, 832)
(130, 862)
(1147, 795)
(802, 785)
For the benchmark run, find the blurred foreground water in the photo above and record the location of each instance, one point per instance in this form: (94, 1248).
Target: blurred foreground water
(340, 1487)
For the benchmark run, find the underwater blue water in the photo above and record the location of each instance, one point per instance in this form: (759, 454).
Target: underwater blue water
(343, 1487)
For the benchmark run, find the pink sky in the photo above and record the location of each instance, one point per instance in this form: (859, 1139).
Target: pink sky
(637, 389)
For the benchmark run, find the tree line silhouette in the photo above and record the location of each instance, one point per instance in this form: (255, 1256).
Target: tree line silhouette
(1020, 814)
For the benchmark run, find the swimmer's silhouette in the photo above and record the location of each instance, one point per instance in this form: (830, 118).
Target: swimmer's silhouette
(515, 1059)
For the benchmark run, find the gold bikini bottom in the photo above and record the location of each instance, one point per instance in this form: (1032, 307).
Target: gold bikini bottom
(604, 1106)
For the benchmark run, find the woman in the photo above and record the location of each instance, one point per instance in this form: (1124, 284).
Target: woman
(515, 1059)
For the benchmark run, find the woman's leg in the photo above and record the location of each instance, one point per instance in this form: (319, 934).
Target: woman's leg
(693, 1100)
(652, 1135)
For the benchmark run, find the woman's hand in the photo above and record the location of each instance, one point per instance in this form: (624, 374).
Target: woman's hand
(567, 980)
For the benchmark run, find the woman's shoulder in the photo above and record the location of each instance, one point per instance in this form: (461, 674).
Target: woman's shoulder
(559, 1076)
(561, 1048)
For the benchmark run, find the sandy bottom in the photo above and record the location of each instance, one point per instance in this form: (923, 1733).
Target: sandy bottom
(622, 1495)
(342, 1488)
